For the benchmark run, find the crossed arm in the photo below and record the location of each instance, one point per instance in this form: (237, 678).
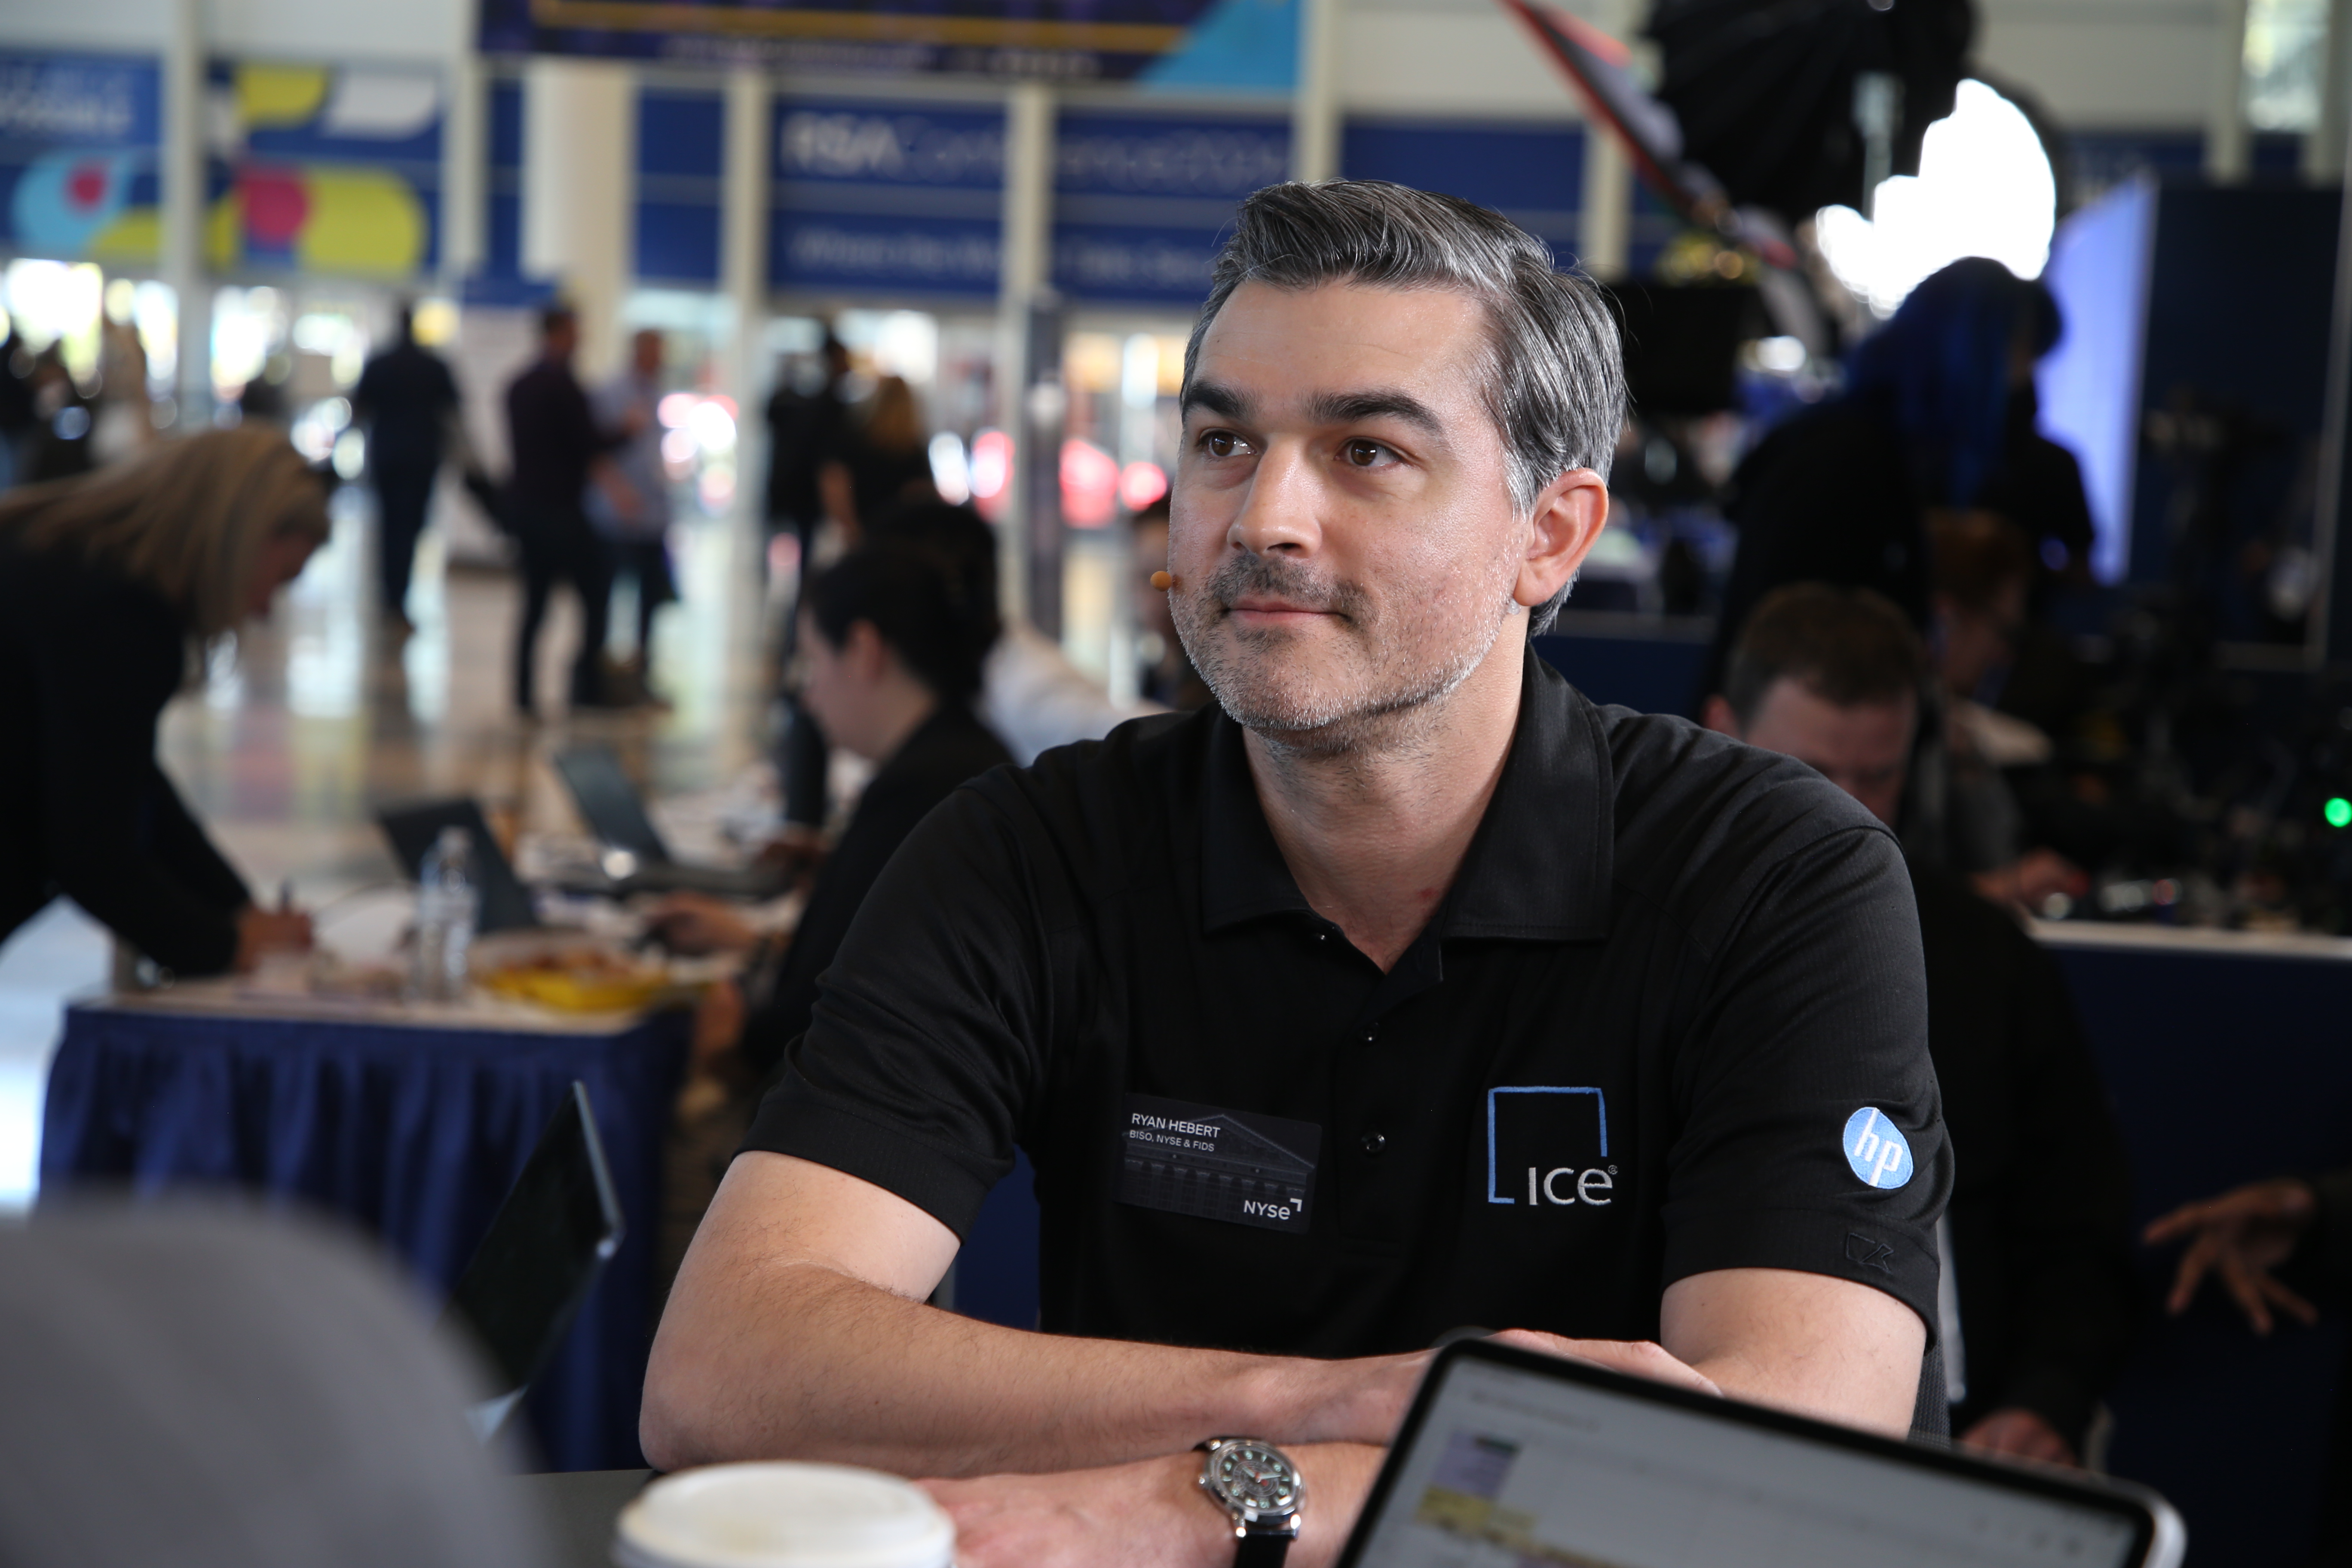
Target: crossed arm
(797, 1330)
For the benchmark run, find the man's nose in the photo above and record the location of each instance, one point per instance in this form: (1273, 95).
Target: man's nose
(1278, 514)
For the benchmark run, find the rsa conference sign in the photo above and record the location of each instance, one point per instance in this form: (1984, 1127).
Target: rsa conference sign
(1175, 44)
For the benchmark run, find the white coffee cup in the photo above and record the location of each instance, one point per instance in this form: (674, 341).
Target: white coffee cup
(783, 1516)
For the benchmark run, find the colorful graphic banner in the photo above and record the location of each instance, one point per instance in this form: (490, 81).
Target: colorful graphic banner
(323, 169)
(1141, 202)
(887, 197)
(1189, 43)
(77, 141)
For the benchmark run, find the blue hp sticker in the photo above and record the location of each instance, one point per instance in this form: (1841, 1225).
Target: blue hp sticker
(1876, 1149)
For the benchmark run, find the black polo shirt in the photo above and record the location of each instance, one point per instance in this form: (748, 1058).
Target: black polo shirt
(1670, 1019)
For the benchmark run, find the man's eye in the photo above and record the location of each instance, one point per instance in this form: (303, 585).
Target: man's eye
(1365, 454)
(1223, 444)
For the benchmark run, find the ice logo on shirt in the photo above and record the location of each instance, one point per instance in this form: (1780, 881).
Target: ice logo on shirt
(1876, 1149)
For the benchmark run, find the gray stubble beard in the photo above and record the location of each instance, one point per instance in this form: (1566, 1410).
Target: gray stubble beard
(1300, 723)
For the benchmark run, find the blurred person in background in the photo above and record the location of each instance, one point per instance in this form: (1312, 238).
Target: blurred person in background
(1929, 418)
(16, 403)
(58, 447)
(1031, 697)
(2037, 1274)
(892, 647)
(106, 581)
(1168, 676)
(893, 639)
(124, 419)
(1981, 575)
(806, 430)
(629, 501)
(557, 445)
(264, 396)
(405, 400)
(884, 462)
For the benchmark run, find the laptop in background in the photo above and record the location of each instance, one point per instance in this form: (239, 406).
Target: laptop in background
(1507, 1457)
(616, 814)
(544, 1251)
(413, 831)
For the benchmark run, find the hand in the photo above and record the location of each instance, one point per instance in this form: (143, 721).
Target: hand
(2030, 879)
(698, 923)
(1635, 1358)
(718, 1023)
(1149, 1514)
(621, 495)
(260, 931)
(2241, 1235)
(1364, 1400)
(2018, 1433)
(797, 852)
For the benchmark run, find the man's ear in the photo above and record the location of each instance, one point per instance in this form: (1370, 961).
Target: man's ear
(1568, 519)
(1718, 715)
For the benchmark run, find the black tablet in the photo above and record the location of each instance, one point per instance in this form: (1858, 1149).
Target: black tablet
(543, 1253)
(1510, 1460)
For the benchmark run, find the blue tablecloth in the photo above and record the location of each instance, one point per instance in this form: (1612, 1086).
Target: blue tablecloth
(415, 1132)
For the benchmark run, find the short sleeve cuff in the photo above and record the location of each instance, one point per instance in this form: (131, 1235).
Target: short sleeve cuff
(1893, 1257)
(798, 1120)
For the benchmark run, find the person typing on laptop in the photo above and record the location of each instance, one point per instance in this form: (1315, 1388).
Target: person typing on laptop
(892, 640)
(1401, 990)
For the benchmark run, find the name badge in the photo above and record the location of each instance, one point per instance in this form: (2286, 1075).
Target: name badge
(1232, 1166)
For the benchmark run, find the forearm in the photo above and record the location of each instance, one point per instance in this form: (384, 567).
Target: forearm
(804, 1362)
(1148, 1514)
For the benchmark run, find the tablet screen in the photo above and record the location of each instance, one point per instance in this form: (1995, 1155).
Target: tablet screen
(1509, 1467)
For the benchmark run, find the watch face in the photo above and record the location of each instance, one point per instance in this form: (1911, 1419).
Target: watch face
(1254, 1479)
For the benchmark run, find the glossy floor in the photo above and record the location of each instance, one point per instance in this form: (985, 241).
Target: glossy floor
(316, 718)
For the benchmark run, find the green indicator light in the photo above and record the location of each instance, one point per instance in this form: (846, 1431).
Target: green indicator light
(2339, 812)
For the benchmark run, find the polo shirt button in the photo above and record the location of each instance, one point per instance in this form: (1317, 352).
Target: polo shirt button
(1375, 1143)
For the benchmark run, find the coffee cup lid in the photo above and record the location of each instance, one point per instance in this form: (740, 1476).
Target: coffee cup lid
(780, 1515)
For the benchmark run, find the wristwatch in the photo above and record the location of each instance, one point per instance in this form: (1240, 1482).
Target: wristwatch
(1260, 1490)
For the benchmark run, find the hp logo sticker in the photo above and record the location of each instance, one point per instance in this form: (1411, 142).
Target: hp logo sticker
(1876, 1149)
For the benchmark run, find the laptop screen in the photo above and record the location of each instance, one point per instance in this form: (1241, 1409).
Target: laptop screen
(413, 830)
(610, 803)
(1517, 1465)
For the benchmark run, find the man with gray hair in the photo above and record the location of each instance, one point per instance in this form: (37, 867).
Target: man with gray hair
(1401, 991)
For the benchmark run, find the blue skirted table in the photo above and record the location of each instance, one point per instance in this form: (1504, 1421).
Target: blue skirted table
(411, 1124)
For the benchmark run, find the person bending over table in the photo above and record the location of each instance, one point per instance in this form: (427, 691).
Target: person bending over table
(108, 583)
(1402, 990)
(2040, 1273)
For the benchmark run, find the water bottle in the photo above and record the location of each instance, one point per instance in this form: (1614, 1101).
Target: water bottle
(445, 907)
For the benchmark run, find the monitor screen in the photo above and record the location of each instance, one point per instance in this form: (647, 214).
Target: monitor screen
(1513, 1467)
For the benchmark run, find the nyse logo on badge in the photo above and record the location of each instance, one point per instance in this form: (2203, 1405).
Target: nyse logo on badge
(1876, 1149)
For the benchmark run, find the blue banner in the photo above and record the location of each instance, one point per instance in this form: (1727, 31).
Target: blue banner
(1533, 174)
(77, 140)
(1178, 44)
(1141, 202)
(681, 150)
(886, 197)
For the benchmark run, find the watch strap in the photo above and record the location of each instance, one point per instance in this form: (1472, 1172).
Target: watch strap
(1265, 1551)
